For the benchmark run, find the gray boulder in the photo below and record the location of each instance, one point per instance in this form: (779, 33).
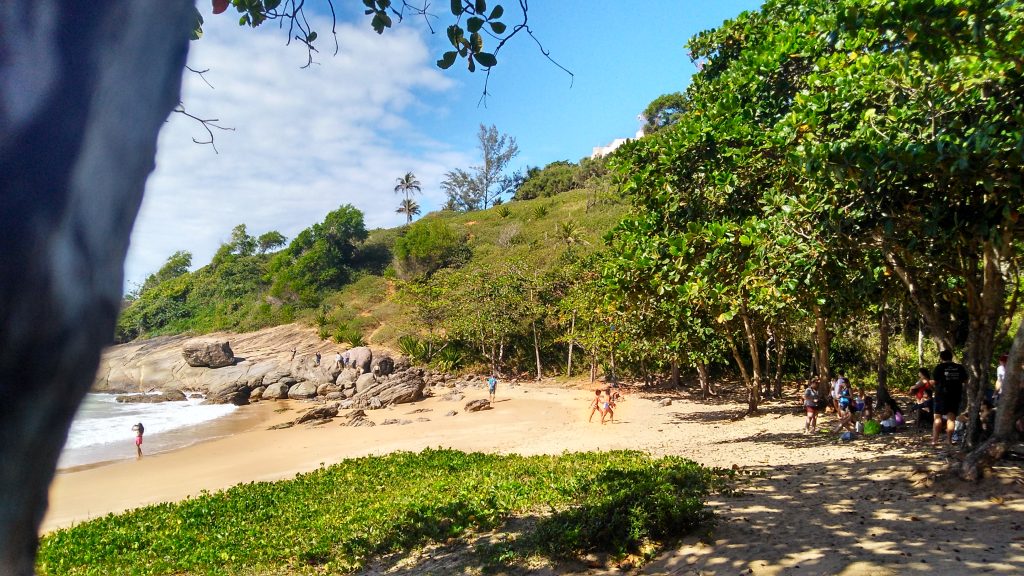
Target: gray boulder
(236, 393)
(207, 353)
(398, 388)
(453, 396)
(325, 412)
(347, 376)
(360, 358)
(257, 394)
(357, 418)
(477, 405)
(302, 391)
(365, 381)
(276, 391)
(382, 365)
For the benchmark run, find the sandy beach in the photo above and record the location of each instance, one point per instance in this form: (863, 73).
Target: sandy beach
(813, 505)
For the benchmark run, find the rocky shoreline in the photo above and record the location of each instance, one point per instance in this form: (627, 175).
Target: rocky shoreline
(271, 364)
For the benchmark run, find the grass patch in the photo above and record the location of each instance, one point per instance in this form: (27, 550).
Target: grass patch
(334, 519)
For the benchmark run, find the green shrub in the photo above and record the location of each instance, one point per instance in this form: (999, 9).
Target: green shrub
(428, 246)
(328, 522)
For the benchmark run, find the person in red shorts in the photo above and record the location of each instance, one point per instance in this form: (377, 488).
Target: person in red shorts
(139, 430)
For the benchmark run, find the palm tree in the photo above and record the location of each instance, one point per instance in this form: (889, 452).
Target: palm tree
(406, 184)
(409, 207)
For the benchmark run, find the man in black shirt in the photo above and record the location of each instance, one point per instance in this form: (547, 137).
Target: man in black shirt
(950, 379)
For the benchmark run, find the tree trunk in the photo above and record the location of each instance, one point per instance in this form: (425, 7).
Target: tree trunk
(882, 366)
(593, 370)
(1006, 415)
(821, 338)
(984, 309)
(675, 374)
(754, 392)
(705, 384)
(751, 394)
(572, 334)
(536, 351)
(780, 356)
(86, 92)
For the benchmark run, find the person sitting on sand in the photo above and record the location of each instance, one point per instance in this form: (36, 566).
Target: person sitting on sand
(139, 430)
(606, 407)
(811, 408)
(595, 405)
(845, 414)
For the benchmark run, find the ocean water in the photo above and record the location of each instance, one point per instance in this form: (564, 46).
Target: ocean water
(102, 428)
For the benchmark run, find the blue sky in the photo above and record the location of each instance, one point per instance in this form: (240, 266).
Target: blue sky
(306, 141)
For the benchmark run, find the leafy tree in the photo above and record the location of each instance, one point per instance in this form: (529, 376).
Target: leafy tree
(482, 185)
(177, 264)
(241, 242)
(555, 178)
(427, 246)
(268, 241)
(663, 111)
(405, 185)
(320, 257)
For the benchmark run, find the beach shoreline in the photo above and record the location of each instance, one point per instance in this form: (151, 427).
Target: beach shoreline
(531, 420)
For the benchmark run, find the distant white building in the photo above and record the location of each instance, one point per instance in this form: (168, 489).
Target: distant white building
(601, 151)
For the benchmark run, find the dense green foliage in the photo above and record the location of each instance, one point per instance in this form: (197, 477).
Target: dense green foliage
(334, 519)
(428, 246)
(833, 161)
(553, 179)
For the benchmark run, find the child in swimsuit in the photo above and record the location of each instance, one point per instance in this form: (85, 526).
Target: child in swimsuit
(606, 406)
(595, 405)
(811, 408)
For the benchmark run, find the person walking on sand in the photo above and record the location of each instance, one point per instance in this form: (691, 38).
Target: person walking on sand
(595, 405)
(139, 430)
(606, 407)
(492, 385)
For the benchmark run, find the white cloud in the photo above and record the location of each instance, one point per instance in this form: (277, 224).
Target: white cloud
(305, 142)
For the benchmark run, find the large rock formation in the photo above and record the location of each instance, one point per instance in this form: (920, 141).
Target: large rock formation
(360, 358)
(165, 396)
(207, 353)
(398, 388)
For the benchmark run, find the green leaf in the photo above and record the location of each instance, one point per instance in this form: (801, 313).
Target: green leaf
(271, 4)
(497, 27)
(446, 60)
(457, 7)
(474, 24)
(481, 6)
(476, 41)
(496, 12)
(486, 59)
(311, 37)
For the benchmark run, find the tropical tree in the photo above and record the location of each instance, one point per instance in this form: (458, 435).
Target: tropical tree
(269, 241)
(663, 111)
(405, 185)
(410, 208)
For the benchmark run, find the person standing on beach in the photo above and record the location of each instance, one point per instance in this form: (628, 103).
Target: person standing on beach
(139, 430)
(949, 378)
(492, 385)
(595, 405)
(337, 360)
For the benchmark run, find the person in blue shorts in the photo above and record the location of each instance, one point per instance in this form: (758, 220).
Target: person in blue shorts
(492, 385)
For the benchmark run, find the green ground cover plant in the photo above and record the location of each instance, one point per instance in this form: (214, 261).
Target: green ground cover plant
(334, 519)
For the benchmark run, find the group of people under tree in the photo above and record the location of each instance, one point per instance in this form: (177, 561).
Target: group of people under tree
(937, 399)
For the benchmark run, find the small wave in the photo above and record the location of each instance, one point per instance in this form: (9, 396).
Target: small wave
(102, 420)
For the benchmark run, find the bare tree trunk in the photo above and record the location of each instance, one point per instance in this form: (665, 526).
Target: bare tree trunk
(593, 370)
(751, 394)
(572, 334)
(536, 350)
(821, 337)
(1006, 416)
(675, 374)
(754, 395)
(883, 356)
(86, 92)
(780, 356)
(985, 309)
(705, 385)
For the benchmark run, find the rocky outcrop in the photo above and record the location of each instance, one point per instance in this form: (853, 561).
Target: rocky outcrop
(208, 353)
(477, 405)
(268, 364)
(398, 388)
(236, 393)
(165, 396)
(325, 412)
(357, 418)
(382, 365)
